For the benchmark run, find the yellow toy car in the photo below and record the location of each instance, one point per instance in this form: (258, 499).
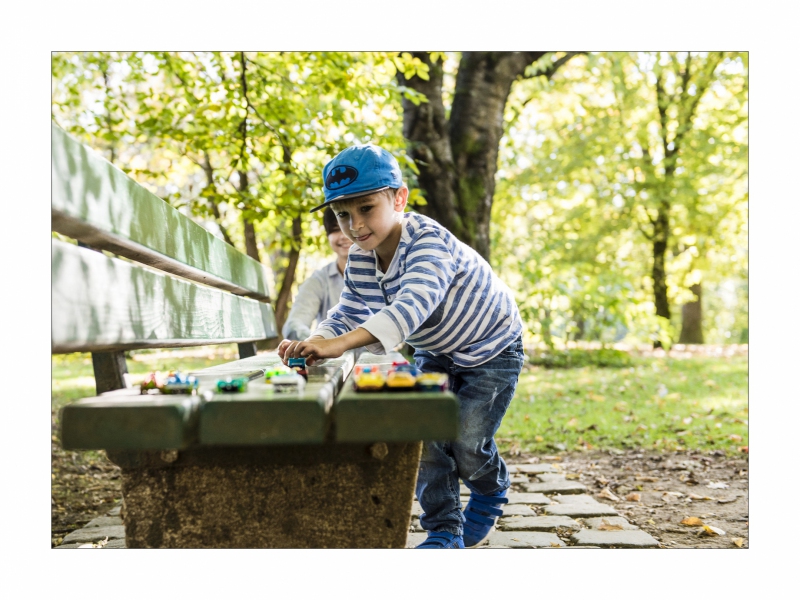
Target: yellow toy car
(433, 382)
(369, 379)
(402, 377)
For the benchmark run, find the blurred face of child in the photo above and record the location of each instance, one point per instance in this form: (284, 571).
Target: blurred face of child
(373, 222)
(339, 242)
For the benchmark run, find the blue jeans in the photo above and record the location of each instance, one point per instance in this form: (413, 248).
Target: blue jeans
(484, 393)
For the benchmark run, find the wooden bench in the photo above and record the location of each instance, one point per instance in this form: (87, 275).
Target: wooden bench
(322, 468)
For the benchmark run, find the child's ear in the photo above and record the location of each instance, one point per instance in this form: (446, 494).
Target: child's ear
(401, 199)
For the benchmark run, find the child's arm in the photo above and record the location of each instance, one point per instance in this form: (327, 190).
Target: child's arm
(317, 348)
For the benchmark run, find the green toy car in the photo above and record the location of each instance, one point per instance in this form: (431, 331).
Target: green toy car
(232, 384)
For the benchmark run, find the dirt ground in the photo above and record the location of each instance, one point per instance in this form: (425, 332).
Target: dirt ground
(657, 491)
(654, 491)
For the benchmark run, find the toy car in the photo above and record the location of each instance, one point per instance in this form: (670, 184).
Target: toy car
(400, 380)
(152, 381)
(297, 362)
(288, 382)
(232, 384)
(273, 371)
(180, 384)
(369, 379)
(433, 382)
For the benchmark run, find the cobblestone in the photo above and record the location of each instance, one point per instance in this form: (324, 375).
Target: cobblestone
(537, 523)
(525, 498)
(95, 534)
(580, 509)
(616, 539)
(552, 487)
(519, 510)
(525, 539)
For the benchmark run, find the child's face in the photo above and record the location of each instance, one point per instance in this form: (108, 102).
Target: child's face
(372, 222)
(339, 242)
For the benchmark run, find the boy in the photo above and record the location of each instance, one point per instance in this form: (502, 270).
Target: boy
(409, 279)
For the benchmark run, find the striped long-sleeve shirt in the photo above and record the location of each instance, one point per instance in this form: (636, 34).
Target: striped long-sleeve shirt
(438, 295)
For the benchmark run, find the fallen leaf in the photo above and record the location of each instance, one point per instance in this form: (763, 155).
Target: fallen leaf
(633, 497)
(692, 522)
(602, 480)
(573, 422)
(573, 476)
(727, 500)
(687, 421)
(539, 438)
(745, 449)
(645, 478)
(738, 542)
(607, 493)
(651, 522)
(597, 397)
(604, 526)
(555, 545)
(696, 497)
(717, 485)
(673, 396)
(735, 438)
(711, 530)
(710, 383)
(621, 406)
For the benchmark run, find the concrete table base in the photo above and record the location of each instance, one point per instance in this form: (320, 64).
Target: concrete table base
(325, 496)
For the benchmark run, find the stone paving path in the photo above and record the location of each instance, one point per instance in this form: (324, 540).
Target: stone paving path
(545, 510)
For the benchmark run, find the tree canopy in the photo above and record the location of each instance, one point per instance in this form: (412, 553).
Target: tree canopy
(607, 189)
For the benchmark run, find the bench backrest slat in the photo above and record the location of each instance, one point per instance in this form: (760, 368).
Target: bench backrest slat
(101, 304)
(96, 203)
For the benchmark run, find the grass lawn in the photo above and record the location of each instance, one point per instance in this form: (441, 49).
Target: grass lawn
(658, 403)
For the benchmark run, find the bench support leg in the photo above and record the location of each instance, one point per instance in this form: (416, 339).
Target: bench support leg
(326, 496)
(110, 369)
(247, 349)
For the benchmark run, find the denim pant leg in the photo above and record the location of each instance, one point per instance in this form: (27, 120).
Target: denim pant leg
(484, 393)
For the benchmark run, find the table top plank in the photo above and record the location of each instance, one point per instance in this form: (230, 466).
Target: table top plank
(393, 416)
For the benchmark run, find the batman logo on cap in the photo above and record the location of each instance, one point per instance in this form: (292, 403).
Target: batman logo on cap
(340, 177)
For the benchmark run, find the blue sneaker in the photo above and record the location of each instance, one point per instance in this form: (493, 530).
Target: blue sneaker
(481, 514)
(442, 539)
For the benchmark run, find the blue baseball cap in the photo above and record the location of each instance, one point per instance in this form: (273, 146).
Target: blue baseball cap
(357, 171)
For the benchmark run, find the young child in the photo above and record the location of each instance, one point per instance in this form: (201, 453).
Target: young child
(320, 292)
(409, 279)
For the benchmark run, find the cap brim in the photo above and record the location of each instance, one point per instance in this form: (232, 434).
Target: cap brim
(348, 197)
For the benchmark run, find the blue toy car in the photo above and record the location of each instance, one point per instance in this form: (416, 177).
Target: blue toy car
(297, 362)
(180, 384)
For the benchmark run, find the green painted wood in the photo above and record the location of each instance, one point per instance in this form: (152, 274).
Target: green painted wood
(103, 304)
(126, 420)
(96, 203)
(393, 416)
(261, 416)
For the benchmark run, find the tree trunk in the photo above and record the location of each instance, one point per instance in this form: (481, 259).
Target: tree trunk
(457, 159)
(692, 318)
(660, 240)
(285, 294)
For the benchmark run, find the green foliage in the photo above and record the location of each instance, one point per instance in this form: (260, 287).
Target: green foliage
(659, 404)
(571, 358)
(589, 159)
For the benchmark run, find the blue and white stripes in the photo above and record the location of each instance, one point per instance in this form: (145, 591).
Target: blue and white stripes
(438, 295)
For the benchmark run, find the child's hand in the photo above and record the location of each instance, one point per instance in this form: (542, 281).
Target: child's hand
(313, 349)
